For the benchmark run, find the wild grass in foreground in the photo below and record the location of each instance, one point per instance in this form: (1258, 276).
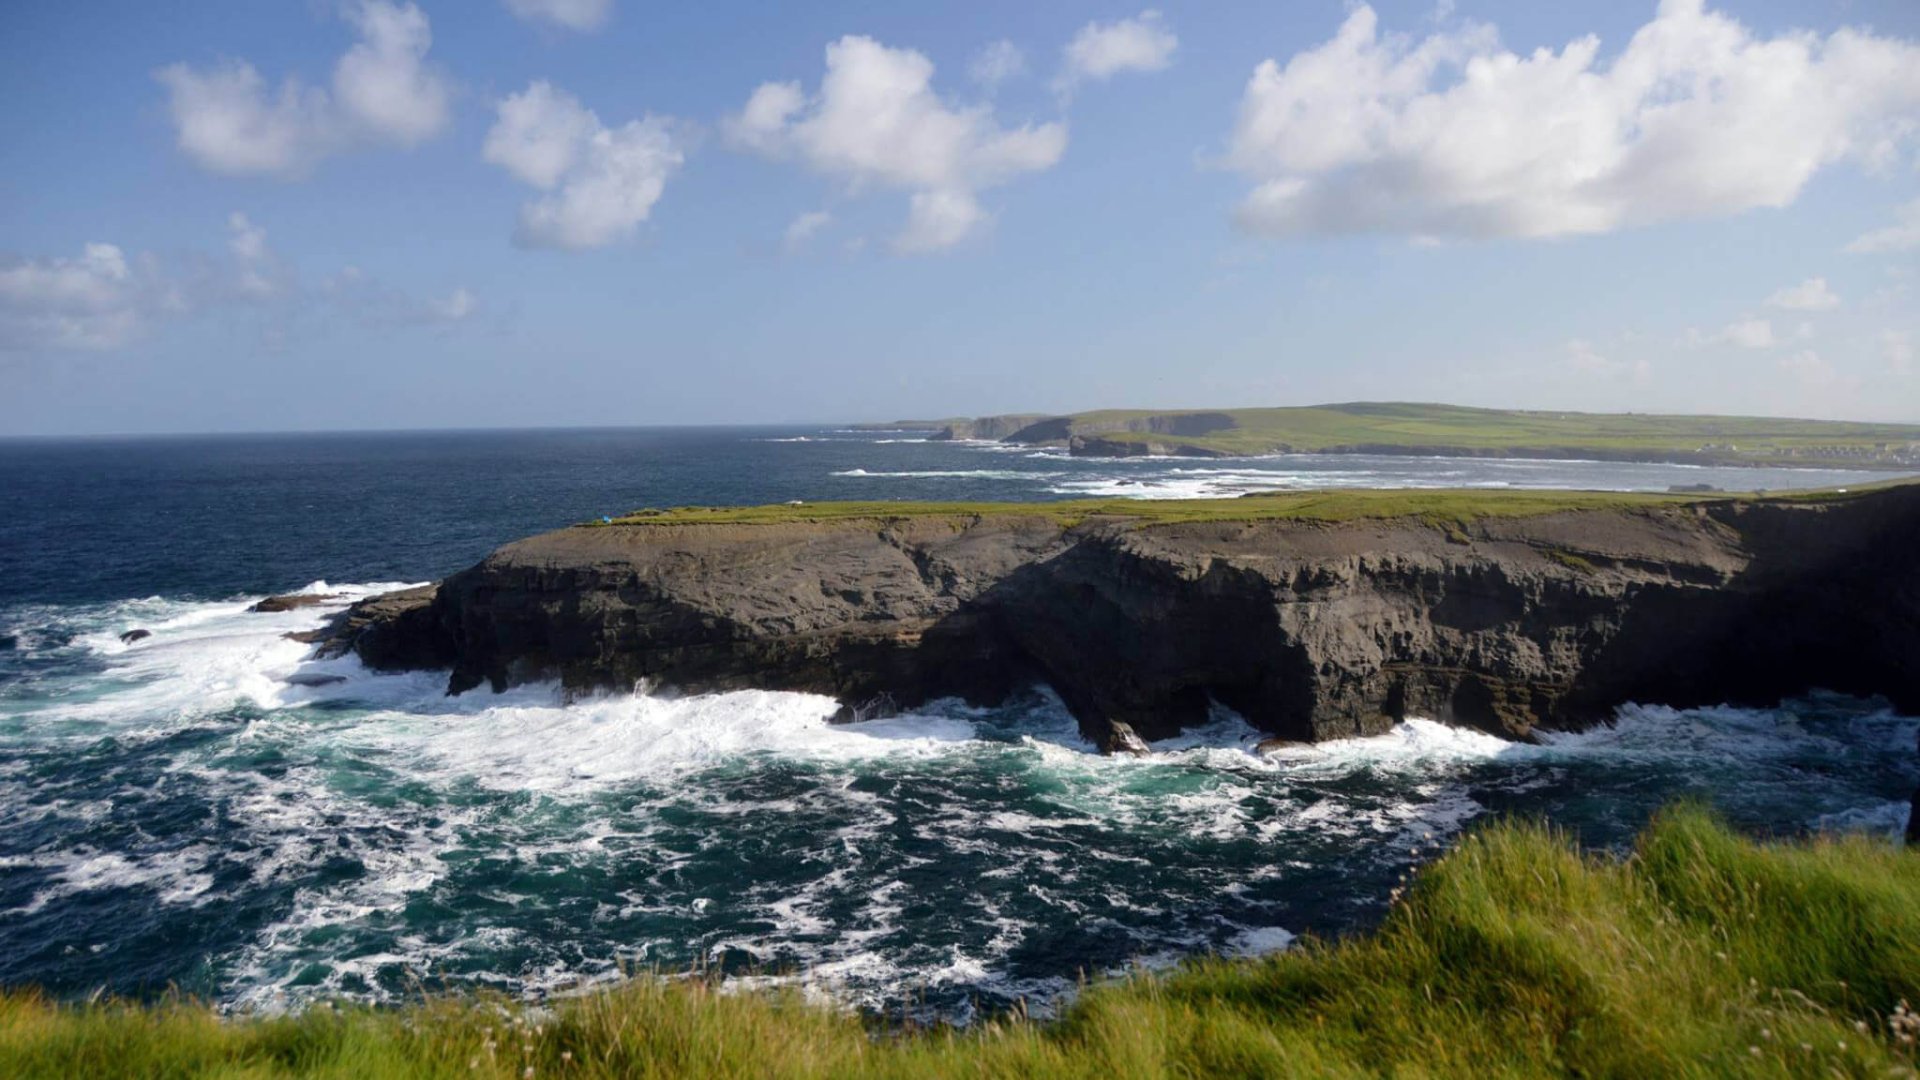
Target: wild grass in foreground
(1703, 954)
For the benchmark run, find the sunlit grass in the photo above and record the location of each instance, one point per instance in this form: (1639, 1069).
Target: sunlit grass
(1755, 440)
(1438, 507)
(1701, 954)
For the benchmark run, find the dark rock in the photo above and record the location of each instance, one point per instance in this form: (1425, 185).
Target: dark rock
(390, 632)
(313, 678)
(132, 636)
(1274, 746)
(1122, 739)
(292, 602)
(1310, 630)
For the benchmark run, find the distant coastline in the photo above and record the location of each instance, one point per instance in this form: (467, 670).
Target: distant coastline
(1427, 430)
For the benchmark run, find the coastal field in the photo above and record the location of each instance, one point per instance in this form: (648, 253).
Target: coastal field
(1426, 428)
(1698, 953)
(1437, 506)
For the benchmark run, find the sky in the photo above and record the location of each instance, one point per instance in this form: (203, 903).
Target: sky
(243, 215)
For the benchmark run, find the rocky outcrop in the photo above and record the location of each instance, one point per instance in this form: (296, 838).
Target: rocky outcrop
(292, 602)
(1097, 446)
(986, 428)
(1086, 435)
(1310, 630)
(132, 636)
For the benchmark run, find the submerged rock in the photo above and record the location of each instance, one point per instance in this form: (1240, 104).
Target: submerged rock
(313, 678)
(132, 636)
(1309, 629)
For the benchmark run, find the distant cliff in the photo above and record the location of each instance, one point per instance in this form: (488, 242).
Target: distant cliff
(1448, 430)
(1311, 629)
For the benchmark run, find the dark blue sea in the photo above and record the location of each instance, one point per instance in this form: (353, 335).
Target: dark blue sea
(175, 813)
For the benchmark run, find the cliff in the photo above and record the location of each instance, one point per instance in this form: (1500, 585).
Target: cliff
(1448, 430)
(1314, 620)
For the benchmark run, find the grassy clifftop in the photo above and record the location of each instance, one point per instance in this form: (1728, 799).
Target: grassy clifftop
(1446, 505)
(1408, 427)
(1701, 954)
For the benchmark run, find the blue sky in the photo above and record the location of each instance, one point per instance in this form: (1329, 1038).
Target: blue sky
(561, 212)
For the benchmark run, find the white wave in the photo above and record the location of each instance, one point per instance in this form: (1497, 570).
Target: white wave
(1260, 940)
(532, 742)
(948, 474)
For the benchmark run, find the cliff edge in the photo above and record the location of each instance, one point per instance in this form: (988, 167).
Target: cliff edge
(1311, 628)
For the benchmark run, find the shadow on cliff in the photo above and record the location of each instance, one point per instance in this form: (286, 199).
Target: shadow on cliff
(1828, 601)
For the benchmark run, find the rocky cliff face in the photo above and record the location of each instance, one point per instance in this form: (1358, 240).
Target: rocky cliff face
(1310, 630)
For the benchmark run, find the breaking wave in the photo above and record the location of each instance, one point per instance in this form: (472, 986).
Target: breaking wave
(177, 811)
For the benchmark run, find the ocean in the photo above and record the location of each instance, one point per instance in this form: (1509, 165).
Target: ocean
(173, 814)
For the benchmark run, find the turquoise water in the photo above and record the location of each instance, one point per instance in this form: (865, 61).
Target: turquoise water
(176, 813)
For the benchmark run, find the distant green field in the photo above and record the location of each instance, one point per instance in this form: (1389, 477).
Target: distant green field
(1699, 954)
(1435, 506)
(1418, 427)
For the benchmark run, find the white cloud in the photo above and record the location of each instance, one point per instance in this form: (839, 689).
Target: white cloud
(105, 299)
(937, 220)
(1903, 235)
(1814, 372)
(539, 134)
(1103, 50)
(94, 301)
(455, 306)
(581, 15)
(996, 63)
(253, 261)
(226, 119)
(804, 226)
(1584, 357)
(1810, 295)
(1896, 348)
(600, 182)
(876, 122)
(1745, 334)
(1452, 135)
(382, 81)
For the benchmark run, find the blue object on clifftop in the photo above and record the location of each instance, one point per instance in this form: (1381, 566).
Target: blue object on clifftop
(605, 520)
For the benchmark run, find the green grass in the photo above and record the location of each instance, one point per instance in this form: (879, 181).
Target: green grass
(1701, 954)
(1439, 507)
(1748, 440)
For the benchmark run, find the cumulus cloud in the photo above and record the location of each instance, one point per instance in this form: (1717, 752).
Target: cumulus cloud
(580, 15)
(228, 120)
(1102, 50)
(103, 299)
(1453, 135)
(804, 226)
(876, 122)
(1902, 235)
(256, 269)
(1810, 295)
(94, 301)
(996, 63)
(600, 182)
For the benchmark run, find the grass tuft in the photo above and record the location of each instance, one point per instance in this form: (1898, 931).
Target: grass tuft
(1701, 953)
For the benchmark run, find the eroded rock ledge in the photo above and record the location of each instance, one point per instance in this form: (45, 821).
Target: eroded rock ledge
(1311, 630)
